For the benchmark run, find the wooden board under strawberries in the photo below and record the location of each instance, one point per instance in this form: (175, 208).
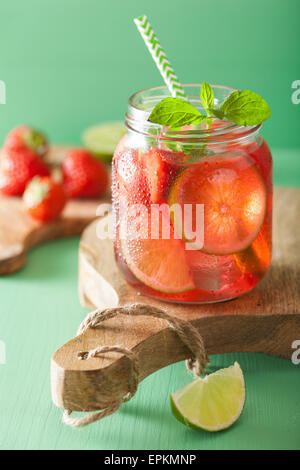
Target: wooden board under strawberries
(19, 232)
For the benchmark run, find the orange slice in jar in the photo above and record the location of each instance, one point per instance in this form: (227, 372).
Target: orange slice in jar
(233, 193)
(256, 259)
(158, 262)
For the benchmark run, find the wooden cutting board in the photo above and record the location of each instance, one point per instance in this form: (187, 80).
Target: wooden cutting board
(265, 320)
(19, 232)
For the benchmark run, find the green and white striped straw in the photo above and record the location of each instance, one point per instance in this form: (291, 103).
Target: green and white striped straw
(159, 56)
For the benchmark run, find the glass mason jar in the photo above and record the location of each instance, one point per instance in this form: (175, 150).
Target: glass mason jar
(192, 206)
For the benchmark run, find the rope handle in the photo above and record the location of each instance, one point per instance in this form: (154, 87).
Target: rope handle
(186, 332)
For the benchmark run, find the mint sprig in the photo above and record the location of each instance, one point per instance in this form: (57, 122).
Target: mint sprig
(240, 107)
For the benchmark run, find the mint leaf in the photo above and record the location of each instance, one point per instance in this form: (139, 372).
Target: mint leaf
(176, 113)
(245, 108)
(207, 97)
(218, 113)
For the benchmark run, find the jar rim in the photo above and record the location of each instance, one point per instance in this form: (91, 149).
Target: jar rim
(137, 117)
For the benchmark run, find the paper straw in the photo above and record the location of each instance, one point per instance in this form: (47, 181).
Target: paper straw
(159, 57)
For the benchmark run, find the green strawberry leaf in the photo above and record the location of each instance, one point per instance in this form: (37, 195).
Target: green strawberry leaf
(176, 113)
(207, 97)
(244, 107)
(36, 192)
(36, 141)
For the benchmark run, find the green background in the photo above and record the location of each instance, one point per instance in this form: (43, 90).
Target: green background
(71, 63)
(68, 64)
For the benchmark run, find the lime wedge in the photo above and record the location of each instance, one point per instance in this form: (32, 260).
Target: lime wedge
(213, 403)
(102, 139)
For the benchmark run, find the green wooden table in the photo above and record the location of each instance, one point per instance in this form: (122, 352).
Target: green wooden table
(40, 311)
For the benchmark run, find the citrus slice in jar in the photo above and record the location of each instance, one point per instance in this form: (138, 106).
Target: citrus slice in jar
(153, 254)
(234, 196)
(256, 259)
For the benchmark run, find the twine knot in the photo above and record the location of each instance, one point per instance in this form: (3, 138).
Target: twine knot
(186, 332)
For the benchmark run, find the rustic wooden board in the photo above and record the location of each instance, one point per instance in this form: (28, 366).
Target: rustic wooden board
(265, 320)
(19, 232)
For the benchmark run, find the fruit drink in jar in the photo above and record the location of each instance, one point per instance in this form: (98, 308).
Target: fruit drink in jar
(193, 206)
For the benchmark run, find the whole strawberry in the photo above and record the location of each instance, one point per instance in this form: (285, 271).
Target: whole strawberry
(17, 168)
(44, 199)
(84, 176)
(25, 138)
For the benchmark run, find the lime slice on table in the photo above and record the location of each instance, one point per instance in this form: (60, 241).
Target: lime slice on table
(158, 263)
(102, 139)
(213, 403)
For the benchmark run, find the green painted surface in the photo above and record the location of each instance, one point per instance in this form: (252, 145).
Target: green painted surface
(68, 64)
(40, 311)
